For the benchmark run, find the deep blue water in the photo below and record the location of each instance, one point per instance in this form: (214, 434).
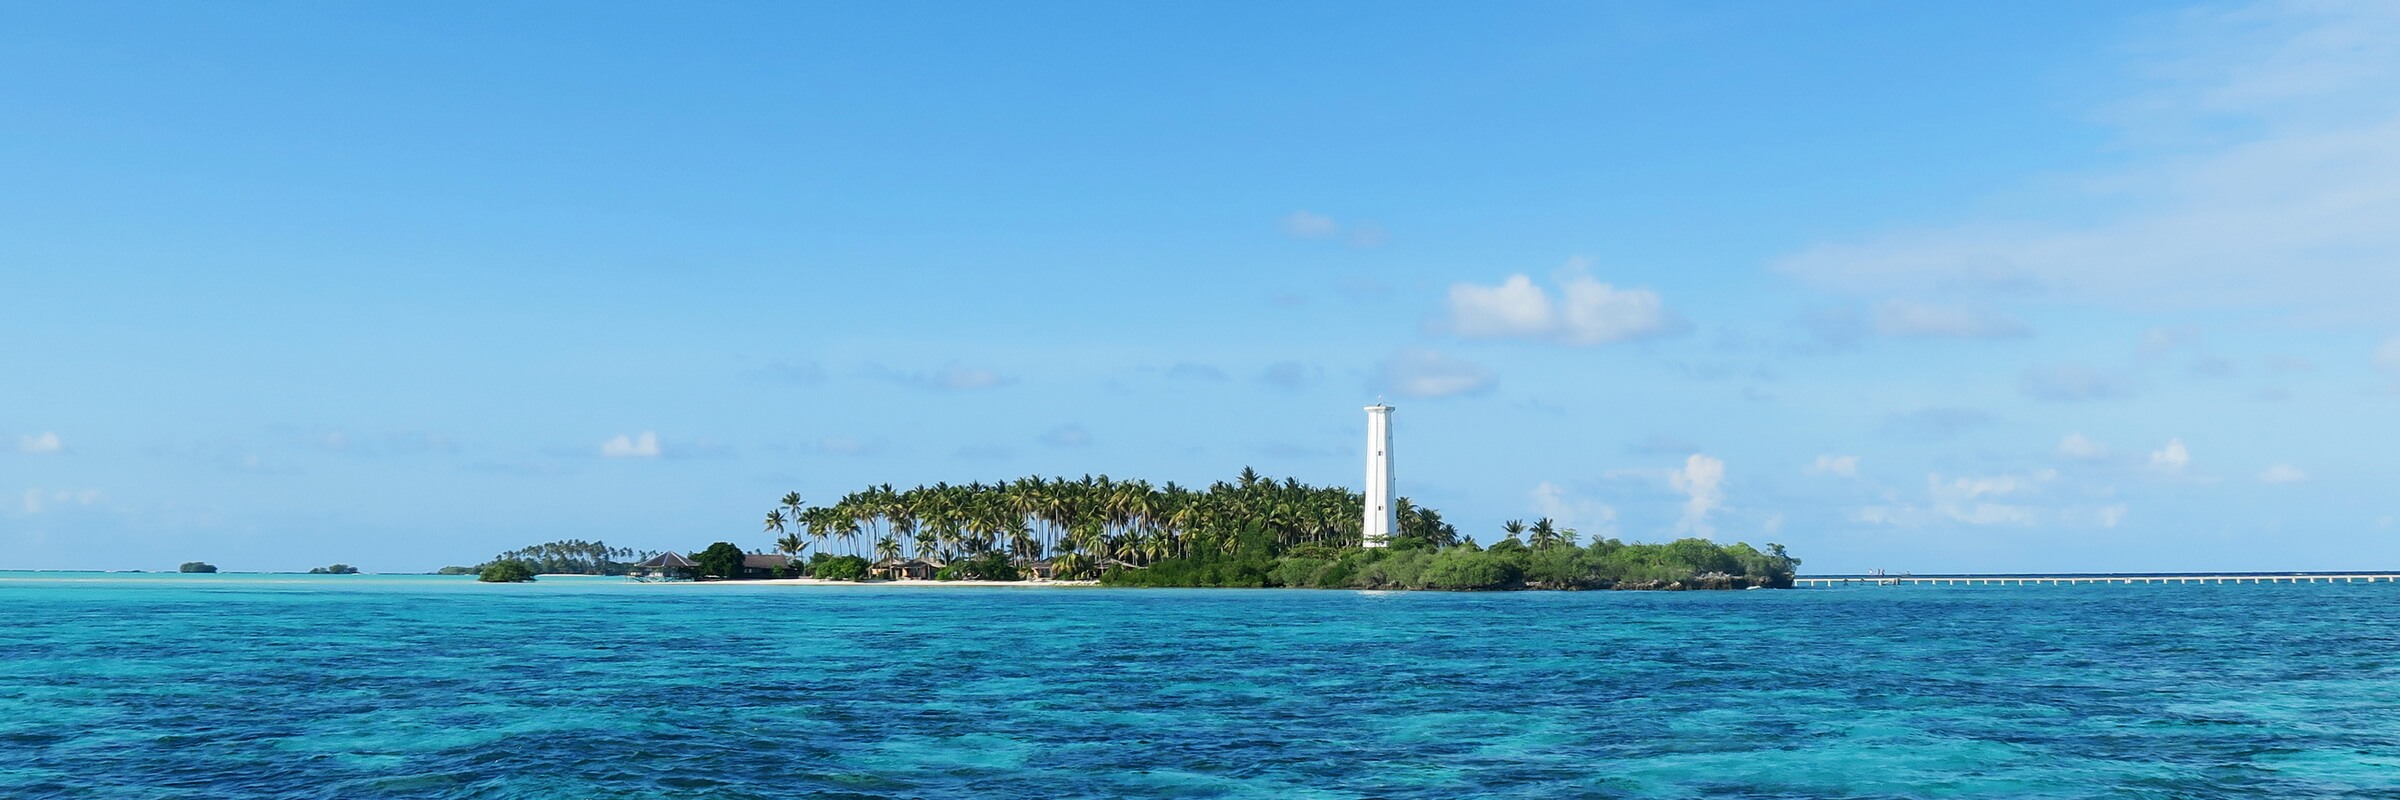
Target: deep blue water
(368, 686)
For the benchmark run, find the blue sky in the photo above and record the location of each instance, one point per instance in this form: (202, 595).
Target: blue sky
(1929, 287)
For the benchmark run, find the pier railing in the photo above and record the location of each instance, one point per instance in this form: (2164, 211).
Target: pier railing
(2062, 579)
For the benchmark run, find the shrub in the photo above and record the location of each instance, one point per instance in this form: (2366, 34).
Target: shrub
(506, 570)
(723, 560)
(1296, 572)
(196, 566)
(1558, 568)
(986, 567)
(838, 568)
(1463, 570)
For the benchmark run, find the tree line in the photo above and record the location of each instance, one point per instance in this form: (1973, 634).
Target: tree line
(1083, 526)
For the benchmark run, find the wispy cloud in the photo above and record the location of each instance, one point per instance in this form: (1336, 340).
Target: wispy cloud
(643, 445)
(1188, 371)
(1291, 376)
(849, 446)
(2271, 137)
(2078, 447)
(1312, 225)
(2172, 459)
(1308, 225)
(1427, 373)
(2282, 473)
(1926, 321)
(952, 377)
(1591, 518)
(1837, 466)
(1702, 481)
(1937, 422)
(1066, 436)
(2071, 383)
(44, 443)
(36, 501)
(1585, 312)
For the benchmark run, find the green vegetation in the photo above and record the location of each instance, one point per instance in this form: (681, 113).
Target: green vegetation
(574, 557)
(458, 571)
(337, 569)
(196, 566)
(993, 566)
(1083, 526)
(1508, 564)
(506, 570)
(720, 560)
(838, 568)
(1254, 531)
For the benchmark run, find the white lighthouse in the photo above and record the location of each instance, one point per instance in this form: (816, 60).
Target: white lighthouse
(1381, 516)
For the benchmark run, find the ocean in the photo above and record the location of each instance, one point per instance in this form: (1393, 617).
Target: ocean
(285, 686)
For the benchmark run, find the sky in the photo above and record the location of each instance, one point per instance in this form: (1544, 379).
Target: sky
(1926, 287)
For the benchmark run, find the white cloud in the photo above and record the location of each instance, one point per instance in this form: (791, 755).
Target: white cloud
(643, 446)
(1426, 373)
(1842, 466)
(2282, 473)
(1920, 320)
(40, 443)
(1702, 482)
(1590, 518)
(1585, 313)
(2171, 459)
(1991, 500)
(38, 500)
(2078, 447)
(1306, 225)
(2264, 171)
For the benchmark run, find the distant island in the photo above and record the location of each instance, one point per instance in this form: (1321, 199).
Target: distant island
(1249, 532)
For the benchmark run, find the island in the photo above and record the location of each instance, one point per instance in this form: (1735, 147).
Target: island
(1252, 531)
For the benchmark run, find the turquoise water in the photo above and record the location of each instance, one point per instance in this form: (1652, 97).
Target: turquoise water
(369, 686)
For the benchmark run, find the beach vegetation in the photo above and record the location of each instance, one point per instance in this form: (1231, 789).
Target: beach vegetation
(827, 566)
(197, 567)
(720, 560)
(992, 566)
(574, 557)
(1250, 531)
(506, 570)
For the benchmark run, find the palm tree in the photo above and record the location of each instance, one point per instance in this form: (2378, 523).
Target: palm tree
(1513, 527)
(1544, 534)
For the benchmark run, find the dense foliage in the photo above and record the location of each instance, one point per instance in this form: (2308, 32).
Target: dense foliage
(506, 570)
(458, 571)
(1509, 564)
(336, 569)
(1083, 525)
(838, 568)
(993, 566)
(196, 566)
(720, 560)
(575, 557)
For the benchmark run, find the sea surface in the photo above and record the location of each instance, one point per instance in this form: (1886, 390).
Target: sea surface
(282, 686)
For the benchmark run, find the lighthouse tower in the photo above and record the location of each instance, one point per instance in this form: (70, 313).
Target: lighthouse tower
(1381, 516)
